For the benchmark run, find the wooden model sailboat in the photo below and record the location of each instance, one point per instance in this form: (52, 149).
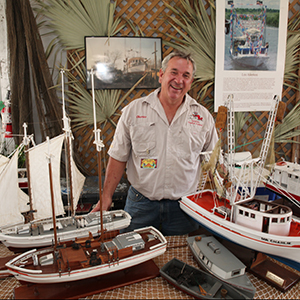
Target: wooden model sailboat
(89, 257)
(234, 213)
(39, 232)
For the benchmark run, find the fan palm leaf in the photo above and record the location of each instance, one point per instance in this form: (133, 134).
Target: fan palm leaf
(285, 131)
(196, 31)
(71, 21)
(292, 51)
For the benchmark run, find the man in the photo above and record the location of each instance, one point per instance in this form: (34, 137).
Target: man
(159, 137)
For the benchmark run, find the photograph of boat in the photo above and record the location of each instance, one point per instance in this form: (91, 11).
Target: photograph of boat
(216, 259)
(230, 210)
(248, 45)
(197, 283)
(122, 62)
(135, 65)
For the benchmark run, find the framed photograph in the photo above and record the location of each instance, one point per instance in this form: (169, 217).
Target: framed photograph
(119, 62)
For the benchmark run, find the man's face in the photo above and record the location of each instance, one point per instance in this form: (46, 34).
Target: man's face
(176, 81)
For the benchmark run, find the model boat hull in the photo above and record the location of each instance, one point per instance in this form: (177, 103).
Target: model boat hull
(40, 232)
(90, 259)
(197, 283)
(200, 206)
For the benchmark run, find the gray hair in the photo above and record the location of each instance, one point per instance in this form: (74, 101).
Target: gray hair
(180, 54)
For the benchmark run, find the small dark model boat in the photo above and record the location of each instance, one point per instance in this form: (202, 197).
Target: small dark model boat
(198, 283)
(216, 259)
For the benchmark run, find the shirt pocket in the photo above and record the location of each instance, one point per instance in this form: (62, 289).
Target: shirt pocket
(143, 138)
(191, 141)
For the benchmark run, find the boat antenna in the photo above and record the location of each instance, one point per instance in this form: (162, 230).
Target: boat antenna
(68, 134)
(99, 145)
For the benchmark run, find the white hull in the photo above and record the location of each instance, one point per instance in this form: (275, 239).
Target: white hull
(38, 276)
(249, 60)
(69, 228)
(282, 246)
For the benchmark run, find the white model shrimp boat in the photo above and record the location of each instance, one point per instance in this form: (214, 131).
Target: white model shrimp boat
(247, 31)
(40, 232)
(234, 214)
(216, 259)
(88, 258)
(197, 283)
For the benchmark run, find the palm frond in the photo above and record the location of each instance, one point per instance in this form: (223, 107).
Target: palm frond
(285, 131)
(196, 31)
(292, 49)
(71, 21)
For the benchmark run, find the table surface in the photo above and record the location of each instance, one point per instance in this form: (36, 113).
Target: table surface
(159, 288)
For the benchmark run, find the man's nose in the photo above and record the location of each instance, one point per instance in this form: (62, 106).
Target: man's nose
(179, 79)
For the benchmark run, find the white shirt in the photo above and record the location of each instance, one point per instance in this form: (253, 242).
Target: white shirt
(163, 160)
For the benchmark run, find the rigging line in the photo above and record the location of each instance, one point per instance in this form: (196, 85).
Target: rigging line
(248, 143)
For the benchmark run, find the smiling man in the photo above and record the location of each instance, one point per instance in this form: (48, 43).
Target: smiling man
(159, 139)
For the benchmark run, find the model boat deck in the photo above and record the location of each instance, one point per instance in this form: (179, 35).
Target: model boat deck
(208, 200)
(39, 233)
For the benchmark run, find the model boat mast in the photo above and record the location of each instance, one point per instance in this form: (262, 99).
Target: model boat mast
(26, 141)
(67, 130)
(99, 145)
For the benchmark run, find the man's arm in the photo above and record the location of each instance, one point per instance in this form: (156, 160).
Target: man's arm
(113, 175)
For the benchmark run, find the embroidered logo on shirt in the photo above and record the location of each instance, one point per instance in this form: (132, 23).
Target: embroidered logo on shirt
(148, 163)
(141, 117)
(195, 119)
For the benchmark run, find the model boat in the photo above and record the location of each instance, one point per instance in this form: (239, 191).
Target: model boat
(40, 232)
(232, 212)
(197, 283)
(248, 46)
(88, 258)
(45, 197)
(284, 180)
(216, 259)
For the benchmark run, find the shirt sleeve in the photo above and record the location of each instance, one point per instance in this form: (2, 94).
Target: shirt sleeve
(120, 147)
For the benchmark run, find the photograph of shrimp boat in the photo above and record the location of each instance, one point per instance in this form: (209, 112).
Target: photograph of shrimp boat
(248, 45)
(121, 62)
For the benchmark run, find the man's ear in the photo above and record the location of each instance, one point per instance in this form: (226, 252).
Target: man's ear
(161, 73)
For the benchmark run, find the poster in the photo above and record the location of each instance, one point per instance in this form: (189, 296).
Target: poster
(250, 52)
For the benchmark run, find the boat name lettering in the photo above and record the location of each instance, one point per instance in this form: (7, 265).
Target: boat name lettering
(249, 74)
(275, 241)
